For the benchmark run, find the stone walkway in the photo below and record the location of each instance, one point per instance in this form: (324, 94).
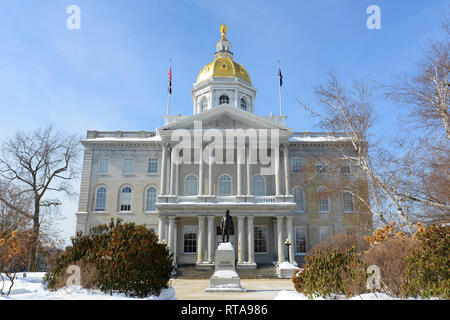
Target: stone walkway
(257, 289)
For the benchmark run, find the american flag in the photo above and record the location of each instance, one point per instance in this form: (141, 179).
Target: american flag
(170, 80)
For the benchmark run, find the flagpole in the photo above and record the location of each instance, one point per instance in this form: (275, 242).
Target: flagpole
(279, 87)
(168, 91)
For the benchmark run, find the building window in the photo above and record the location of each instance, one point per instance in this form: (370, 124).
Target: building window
(225, 185)
(125, 199)
(323, 200)
(350, 231)
(203, 104)
(190, 185)
(258, 185)
(260, 239)
(345, 169)
(153, 165)
(243, 104)
(100, 199)
(190, 239)
(299, 198)
(128, 165)
(300, 240)
(296, 165)
(320, 167)
(224, 100)
(103, 165)
(348, 201)
(150, 199)
(324, 233)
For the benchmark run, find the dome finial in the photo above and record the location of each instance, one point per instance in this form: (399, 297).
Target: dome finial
(223, 30)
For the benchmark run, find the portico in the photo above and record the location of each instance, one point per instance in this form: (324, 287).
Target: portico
(207, 238)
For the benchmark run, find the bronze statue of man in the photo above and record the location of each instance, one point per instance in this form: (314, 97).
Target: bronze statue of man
(227, 226)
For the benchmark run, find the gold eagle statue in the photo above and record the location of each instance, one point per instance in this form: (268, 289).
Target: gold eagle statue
(223, 31)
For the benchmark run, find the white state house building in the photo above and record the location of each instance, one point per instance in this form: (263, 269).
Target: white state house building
(137, 176)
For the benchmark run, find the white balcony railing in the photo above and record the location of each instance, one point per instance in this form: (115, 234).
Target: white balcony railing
(229, 199)
(265, 199)
(187, 199)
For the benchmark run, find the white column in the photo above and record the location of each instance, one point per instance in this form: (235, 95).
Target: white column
(239, 163)
(167, 172)
(211, 234)
(275, 239)
(211, 174)
(200, 171)
(277, 175)
(249, 172)
(173, 170)
(251, 239)
(171, 236)
(163, 169)
(175, 241)
(290, 228)
(280, 239)
(201, 227)
(177, 172)
(162, 228)
(287, 169)
(241, 239)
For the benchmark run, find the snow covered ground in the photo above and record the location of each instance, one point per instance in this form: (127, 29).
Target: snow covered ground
(32, 288)
(294, 295)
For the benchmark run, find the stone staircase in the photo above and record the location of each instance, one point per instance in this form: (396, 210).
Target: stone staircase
(262, 271)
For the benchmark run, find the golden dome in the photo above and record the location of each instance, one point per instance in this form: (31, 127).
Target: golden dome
(223, 67)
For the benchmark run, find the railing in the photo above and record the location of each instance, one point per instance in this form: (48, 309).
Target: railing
(265, 199)
(187, 199)
(231, 199)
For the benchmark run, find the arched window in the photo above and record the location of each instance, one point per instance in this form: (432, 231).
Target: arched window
(258, 185)
(203, 104)
(323, 200)
(191, 185)
(348, 201)
(224, 100)
(125, 199)
(243, 104)
(299, 198)
(100, 199)
(150, 199)
(225, 185)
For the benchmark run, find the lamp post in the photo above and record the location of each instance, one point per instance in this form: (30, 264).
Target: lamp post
(287, 243)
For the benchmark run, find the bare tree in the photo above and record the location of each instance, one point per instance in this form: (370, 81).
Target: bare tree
(426, 164)
(427, 92)
(351, 113)
(15, 210)
(37, 163)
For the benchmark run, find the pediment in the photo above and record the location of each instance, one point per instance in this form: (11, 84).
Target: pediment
(225, 117)
(227, 121)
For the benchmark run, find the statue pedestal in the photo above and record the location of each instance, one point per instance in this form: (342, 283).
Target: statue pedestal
(286, 270)
(225, 277)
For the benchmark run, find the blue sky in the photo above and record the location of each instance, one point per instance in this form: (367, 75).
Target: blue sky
(112, 74)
